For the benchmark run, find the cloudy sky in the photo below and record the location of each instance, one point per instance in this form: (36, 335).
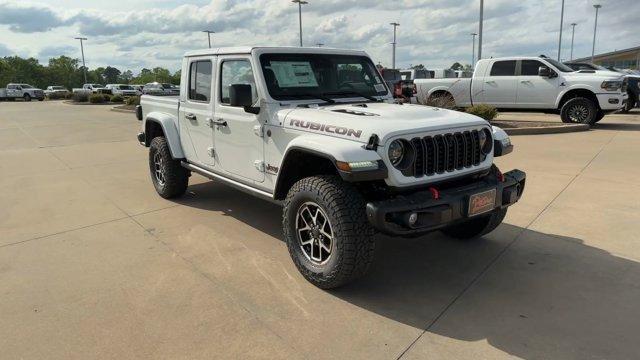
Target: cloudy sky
(134, 34)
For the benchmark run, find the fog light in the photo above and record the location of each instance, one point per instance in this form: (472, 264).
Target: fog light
(614, 101)
(412, 219)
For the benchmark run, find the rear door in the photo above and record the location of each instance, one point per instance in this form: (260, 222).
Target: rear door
(500, 85)
(239, 147)
(196, 108)
(535, 91)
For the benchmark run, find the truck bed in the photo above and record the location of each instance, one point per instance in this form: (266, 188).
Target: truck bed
(460, 88)
(164, 104)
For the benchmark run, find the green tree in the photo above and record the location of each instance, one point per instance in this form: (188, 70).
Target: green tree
(110, 75)
(64, 71)
(418, 67)
(456, 66)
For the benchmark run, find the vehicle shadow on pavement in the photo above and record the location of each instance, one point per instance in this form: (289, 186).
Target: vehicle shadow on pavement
(617, 126)
(525, 293)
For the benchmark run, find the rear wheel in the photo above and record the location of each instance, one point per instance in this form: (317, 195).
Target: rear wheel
(442, 99)
(169, 177)
(27, 97)
(476, 227)
(579, 110)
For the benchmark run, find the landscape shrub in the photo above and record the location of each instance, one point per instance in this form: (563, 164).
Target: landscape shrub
(484, 111)
(106, 97)
(116, 99)
(68, 96)
(96, 99)
(80, 97)
(55, 96)
(134, 100)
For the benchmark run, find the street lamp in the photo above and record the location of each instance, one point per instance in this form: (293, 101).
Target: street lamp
(393, 58)
(209, 32)
(473, 50)
(300, 3)
(480, 29)
(595, 27)
(84, 66)
(573, 33)
(560, 36)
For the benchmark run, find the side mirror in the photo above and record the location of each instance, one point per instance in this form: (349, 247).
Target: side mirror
(240, 95)
(544, 71)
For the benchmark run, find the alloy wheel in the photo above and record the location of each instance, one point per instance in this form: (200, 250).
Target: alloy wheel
(315, 235)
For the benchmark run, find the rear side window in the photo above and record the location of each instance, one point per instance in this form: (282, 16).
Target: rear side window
(530, 67)
(503, 68)
(200, 81)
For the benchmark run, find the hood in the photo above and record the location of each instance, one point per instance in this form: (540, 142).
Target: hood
(600, 74)
(359, 121)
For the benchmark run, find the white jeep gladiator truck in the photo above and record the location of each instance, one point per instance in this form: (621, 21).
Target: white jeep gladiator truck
(21, 91)
(295, 126)
(530, 83)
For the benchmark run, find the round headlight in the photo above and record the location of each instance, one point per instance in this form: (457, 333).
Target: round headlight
(396, 152)
(486, 143)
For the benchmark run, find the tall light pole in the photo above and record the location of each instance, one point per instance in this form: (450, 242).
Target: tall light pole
(393, 57)
(560, 36)
(209, 32)
(473, 50)
(84, 65)
(480, 29)
(573, 33)
(300, 3)
(595, 27)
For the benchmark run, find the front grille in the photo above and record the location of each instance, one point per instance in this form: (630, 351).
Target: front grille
(446, 152)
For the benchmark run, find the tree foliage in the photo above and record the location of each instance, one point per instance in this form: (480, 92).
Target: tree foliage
(67, 72)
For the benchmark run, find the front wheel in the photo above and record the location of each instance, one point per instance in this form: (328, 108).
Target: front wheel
(327, 233)
(169, 177)
(27, 97)
(579, 110)
(476, 227)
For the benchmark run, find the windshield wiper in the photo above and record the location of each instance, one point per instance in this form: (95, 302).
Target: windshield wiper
(350, 92)
(315, 96)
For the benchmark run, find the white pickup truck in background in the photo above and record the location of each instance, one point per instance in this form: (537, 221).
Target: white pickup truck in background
(123, 90)
(21, 91)
(92, 89)
(527, 83)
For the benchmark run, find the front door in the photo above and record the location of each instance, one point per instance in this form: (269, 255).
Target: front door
(535, 91)
(196, 110)
(239, 148)
(499, 88)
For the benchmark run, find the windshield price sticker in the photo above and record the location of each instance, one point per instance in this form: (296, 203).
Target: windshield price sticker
(294, 74)
(379, 87)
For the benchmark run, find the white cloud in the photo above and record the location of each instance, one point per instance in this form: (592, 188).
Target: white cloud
(148, 33)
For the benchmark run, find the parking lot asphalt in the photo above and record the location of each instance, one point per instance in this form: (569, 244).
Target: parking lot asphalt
(93, 264)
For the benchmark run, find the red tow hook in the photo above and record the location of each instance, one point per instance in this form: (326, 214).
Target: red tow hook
(435, 193)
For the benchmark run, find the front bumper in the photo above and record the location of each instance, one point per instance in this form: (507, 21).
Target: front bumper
(613, 101)
(390, 216)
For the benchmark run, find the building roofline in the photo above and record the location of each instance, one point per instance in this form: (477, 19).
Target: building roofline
(588, 58)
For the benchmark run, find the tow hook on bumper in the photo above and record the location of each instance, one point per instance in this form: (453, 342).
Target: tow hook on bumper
(420, 212)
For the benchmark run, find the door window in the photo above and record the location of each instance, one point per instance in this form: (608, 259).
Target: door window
(503, 68)
(236, 72)
(200, 81)
(530, 67)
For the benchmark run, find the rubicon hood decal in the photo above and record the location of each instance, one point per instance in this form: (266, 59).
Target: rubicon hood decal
(332, 129)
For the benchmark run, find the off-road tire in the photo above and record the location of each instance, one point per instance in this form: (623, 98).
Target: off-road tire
(587, 108)
(477, 227)
(176, 178)
(442, 99)
(27, 97)
(353, 244)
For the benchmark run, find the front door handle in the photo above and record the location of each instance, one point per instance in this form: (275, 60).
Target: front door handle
(219, 122)
(191, 117)
(490, 82)
(525, 81)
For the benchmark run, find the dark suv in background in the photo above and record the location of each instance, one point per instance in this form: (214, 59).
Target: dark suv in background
(633, 81)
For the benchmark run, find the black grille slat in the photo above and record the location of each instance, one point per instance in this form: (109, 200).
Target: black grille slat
(446, 152)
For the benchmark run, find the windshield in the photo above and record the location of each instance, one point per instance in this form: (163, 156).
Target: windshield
(292, 76)
(26, 86)
(560, 66)
(167, 86)
(57, 88)
(96, 85)
(125, 87)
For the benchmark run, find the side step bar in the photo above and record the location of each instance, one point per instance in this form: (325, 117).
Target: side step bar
(238, 185)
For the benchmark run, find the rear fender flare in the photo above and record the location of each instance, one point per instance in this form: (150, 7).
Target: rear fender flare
(170, 132)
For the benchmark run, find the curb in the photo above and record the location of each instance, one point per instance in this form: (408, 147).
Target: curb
(561, 129)
(123, 111)
(69, 102)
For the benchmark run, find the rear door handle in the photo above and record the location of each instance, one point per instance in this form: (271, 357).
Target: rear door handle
(525, 81)
(191, 117)
(490, 82)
